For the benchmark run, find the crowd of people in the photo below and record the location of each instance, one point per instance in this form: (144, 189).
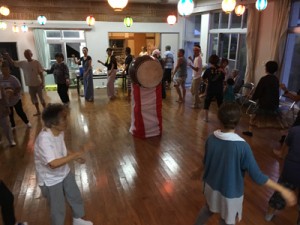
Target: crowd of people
(227, 155)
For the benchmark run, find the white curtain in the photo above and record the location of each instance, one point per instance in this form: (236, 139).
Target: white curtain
(42, 47)
(279, 32)
(251, 42)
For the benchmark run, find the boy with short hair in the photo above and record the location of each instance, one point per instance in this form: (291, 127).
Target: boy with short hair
(53, 173)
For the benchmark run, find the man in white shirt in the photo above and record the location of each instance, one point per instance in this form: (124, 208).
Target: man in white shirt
(33, 76)
(196, 66)
(169, 64)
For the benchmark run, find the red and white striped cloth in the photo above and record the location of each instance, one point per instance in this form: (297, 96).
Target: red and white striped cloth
(146, 111)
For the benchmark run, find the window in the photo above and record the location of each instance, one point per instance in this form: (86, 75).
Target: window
(291, 66)
(224, 20)
(228, 38)
(53, 34)
(68, 42)
(197, 26)
(215, 20)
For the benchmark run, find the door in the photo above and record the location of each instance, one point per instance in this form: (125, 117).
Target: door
(11, 49)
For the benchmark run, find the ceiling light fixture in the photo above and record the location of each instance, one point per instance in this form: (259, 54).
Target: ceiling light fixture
(15, 28)
(24, 28)
(128, 21)
(239, 10)
(185, 7)
(118, 5)
(90, 20)
(4, 11)
(261, 4)
(228, 5)
(42, 20)
(3, 25)
(171, 19)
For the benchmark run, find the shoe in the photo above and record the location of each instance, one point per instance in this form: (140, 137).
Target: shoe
(28, 125)
(21, 223)
(13, 144)
(80, 221)
(248, 133)
(269, 216)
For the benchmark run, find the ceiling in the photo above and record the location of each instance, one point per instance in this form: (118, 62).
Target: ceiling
(78, 10)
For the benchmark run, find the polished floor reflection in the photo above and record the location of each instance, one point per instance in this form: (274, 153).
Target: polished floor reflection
(129, 181)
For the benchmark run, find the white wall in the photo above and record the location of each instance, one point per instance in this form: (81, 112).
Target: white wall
(97, 39)
(24, 41)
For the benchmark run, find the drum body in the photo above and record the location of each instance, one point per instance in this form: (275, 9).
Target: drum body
(146, 111)
(146, 71)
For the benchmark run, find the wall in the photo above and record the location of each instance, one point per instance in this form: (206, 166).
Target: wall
(24, 41)
(97, 39)
(263, 47)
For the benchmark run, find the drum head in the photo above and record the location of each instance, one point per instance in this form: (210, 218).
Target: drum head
(146, 71)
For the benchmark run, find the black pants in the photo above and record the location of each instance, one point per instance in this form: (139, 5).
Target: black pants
(7, 205)
(167, 75)
(19, 110)
(62, 90)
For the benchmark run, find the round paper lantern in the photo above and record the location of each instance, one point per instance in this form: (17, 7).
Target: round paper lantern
(171, 19)
(15, 28)
(4, 11)
(90, 20)
(42, 20)
(185, 7)
(3, 25)
(228, 5)
(118, 5)
(239, 10)
(261, 4)
(128, 21)
(24, 28)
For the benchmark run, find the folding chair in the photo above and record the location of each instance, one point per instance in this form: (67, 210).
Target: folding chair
(288, 108)
(245, 94)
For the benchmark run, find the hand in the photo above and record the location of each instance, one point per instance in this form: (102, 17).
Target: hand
(88, 146)
(283, 87)
(191, 58)
(278, 153)
(80, 160)
(289, 196)
(67, 82)
(73, 56)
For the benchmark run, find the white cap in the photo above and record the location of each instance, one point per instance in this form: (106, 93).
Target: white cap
(156, 52)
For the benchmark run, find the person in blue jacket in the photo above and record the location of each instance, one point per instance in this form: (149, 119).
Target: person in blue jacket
(227, 158)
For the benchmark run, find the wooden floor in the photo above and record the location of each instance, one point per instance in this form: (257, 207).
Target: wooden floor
(129, 181)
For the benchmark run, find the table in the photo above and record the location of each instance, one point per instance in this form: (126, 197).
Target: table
(101, 76)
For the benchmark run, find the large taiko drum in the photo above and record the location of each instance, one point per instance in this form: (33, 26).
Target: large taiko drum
(146, 71)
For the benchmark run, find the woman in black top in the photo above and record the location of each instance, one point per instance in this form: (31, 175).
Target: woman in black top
(111, 64)
(215, 79)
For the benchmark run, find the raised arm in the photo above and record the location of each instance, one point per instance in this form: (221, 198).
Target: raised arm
(289, 94)
(76, 61)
